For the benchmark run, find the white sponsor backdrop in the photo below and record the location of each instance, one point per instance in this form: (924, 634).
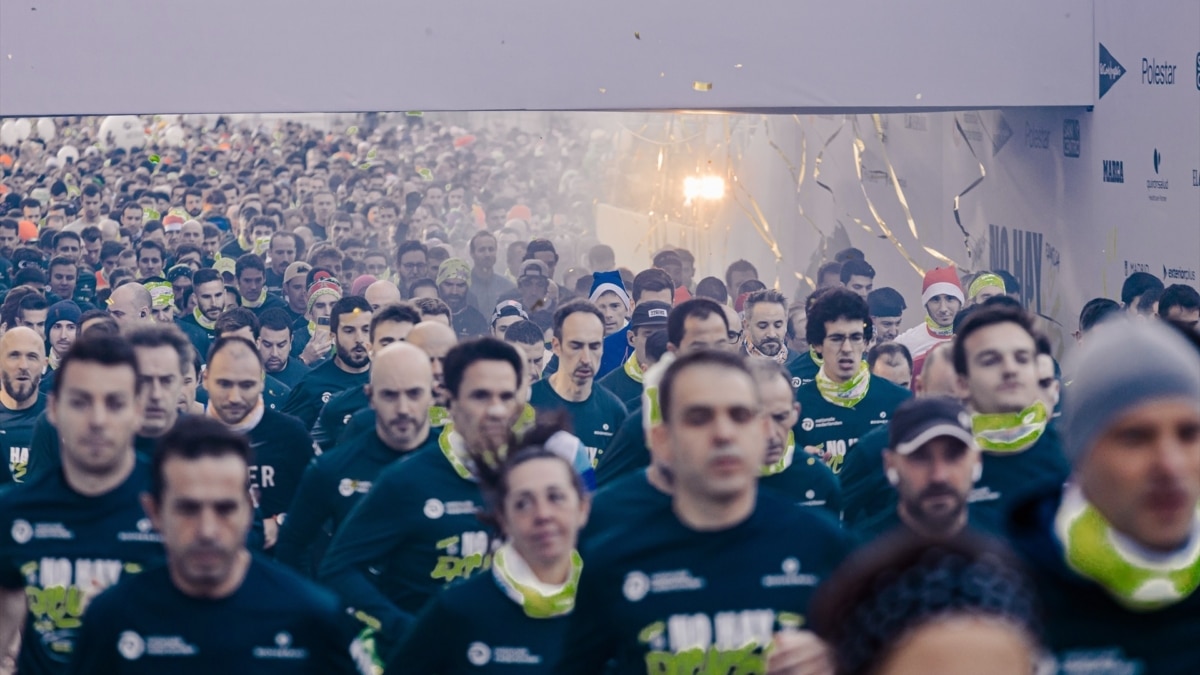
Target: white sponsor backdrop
(1030, 183)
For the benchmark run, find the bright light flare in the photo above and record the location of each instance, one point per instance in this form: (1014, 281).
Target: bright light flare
(709, 188)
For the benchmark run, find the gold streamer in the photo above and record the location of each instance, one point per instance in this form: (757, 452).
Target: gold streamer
(859, 147)
(958, 197)
(887, 162)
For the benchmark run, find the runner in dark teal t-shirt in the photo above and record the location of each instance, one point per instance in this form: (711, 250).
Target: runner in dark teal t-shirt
(596, 413)
(22, 359)
(350, 323)
(797, 477)
(16, 437)
(401, 391)
(214, 607)
(68, 534)
(511, 620)
(282, 447)
(845, 401)
(710, 584)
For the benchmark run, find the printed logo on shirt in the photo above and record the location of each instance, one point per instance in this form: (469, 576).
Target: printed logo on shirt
(131, 646)
(59, 591)
(821, 423)
(282, 649)
(638, 585)
(461, 556)
(145, 532)
(349, 486)
(811, 500)
(18, 463)
(1098, 662)
(835, 450)
(479, 654)
(262, 476)
(21, 531)
(434, 509)
(791, 575)
(728, 642)
(325, 396)
(983, 494)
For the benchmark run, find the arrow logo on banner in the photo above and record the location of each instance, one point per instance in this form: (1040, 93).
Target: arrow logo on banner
(1111, 70)
(1003, 133)
(1157, 160)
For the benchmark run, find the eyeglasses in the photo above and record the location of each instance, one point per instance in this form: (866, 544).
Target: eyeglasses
(413, 267)
(838, 340)
(734, 337)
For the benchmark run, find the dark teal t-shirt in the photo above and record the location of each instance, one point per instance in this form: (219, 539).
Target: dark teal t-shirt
(658, 597)
(331, 486)
(808, 483)
(624, 387)
(16, 438)
(317, 388)
(474, 627)
(1085, 629)
(63, 548)
(595, 420)
(836, 429)
(627, 453)
(413, 533)
(275, 623)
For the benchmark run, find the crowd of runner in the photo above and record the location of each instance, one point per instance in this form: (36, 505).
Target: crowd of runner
(281, 400)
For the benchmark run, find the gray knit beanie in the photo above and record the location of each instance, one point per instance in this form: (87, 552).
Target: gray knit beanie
(1121, 365)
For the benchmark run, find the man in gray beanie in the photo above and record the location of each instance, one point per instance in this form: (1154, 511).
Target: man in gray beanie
(1115, 552)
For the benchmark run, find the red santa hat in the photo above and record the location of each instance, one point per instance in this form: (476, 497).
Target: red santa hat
(941, 281)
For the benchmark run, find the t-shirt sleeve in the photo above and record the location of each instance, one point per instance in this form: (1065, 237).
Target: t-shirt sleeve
(625, 454)
(96, 643)
(591, 642)
(43, 449)
(305, 516)
(371, 530)
(298, 451)
(325, 431)
(344, 652)
(302, 405)
(424, 647)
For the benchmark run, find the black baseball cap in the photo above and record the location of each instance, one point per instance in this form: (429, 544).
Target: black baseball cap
(920, 420)
(649, 313)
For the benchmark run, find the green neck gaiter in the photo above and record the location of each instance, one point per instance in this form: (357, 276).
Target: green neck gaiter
(517, 582)
(1010, 432)
(1139, 580)
(845, 394)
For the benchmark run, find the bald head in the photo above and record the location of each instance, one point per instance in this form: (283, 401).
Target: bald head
(381, 294)
(401, 358)
(129, 305)
(937, 376)
(435, 339)
(400, 393)
(22, 359)
(110, 230)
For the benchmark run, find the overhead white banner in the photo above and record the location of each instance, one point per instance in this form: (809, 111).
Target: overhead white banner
(133, 56)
